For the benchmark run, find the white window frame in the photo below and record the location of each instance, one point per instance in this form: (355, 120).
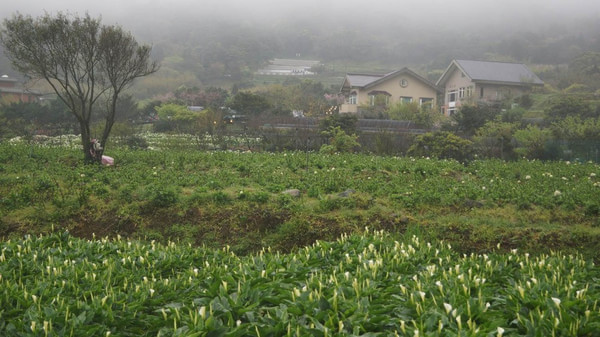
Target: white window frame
(352, 99)
(372, 99)
(425, 99)
(406, 99)
(450, 93)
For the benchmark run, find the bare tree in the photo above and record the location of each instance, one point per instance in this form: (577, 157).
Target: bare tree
(85, 62)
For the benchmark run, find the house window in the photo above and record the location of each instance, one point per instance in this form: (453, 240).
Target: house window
(481, 92)
(352, 99)
(452, 96)
(379, 99)
(426, 102)
(405, 99)
(451, 112)
(469, 91)
(461, 92)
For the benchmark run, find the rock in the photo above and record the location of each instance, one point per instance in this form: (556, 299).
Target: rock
(346, 193)
(292, 192)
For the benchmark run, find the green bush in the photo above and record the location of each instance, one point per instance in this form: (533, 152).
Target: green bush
(161, 196)
(469, 118)
(565, 106)
(532, 142)
(339, 142)
(425, 117)
(442, 145)
(495, 140)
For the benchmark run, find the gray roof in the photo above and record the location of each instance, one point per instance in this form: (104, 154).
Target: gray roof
(367, 80)
(483, 71)
(20, 91)
(361, 80)
(6, 79)
(294, 62)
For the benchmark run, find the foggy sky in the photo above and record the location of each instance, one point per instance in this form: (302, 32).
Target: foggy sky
(442, 13)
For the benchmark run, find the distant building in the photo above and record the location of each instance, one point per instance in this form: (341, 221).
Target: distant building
(403, 85)
(289, 67)
(476, 82)
(195, 108)
(11, 93)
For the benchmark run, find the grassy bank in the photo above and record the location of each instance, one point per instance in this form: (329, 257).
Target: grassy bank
(240, 199)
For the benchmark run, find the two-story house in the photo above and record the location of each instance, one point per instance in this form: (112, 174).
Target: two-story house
(403, 85)
(476, 82)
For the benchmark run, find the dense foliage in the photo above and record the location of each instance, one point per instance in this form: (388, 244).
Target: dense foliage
(371, 285)
(442, 145)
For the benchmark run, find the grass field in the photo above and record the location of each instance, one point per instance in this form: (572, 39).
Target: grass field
(240, 199)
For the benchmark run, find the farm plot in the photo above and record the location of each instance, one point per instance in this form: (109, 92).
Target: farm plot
(359, 285)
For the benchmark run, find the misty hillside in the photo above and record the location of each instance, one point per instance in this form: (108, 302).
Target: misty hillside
(207, 53)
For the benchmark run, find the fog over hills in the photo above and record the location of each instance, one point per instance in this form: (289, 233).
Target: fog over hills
(214, 38)
(439, 13)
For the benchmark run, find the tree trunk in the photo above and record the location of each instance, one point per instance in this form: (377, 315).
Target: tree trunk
(110, 119)
(89, 155)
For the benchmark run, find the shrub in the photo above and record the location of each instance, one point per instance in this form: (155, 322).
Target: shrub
(161, 196)
(512, 115)
(345, 122)
(340, 141)
(562, 107)
(525, 101)
(532, 142)
(441, 145)
(425, 117)
(469, 118)
(495, 139)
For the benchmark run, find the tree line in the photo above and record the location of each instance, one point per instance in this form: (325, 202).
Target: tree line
(89, 65)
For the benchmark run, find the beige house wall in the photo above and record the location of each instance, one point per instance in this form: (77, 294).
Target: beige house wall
(349, 108)
(415, 88)
(493, 92)
(457, 82)
(472, 91)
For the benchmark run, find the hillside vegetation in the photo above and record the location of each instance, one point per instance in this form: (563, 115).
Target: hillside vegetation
(287, 200)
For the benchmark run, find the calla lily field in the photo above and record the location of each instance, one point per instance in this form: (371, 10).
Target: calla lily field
(188, 242)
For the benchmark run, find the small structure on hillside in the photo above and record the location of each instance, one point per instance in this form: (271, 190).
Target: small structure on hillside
(11, 92)
(289, 67)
